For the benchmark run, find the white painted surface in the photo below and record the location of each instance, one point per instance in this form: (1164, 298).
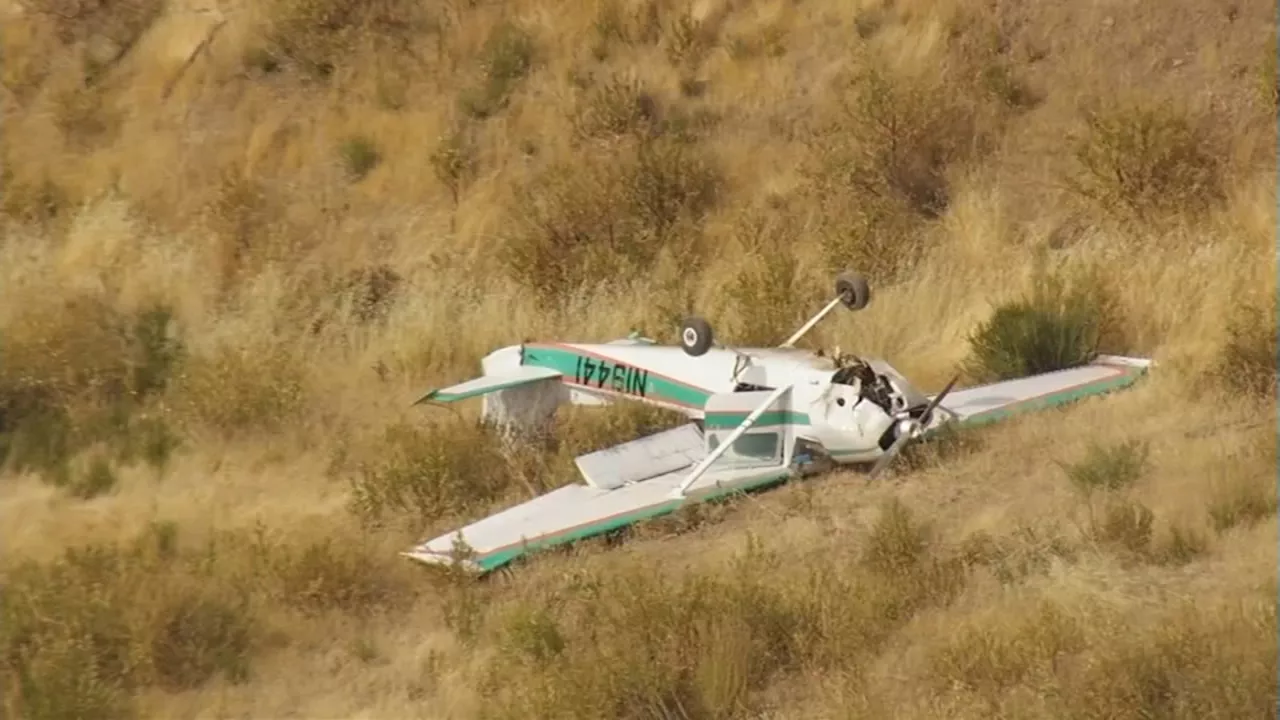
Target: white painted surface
(642, 459)
(972, 401)
(570, 508)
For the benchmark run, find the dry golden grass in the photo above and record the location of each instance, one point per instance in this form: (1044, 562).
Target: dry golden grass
(238, 239)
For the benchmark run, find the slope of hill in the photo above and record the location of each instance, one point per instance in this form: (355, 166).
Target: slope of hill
(239, 237)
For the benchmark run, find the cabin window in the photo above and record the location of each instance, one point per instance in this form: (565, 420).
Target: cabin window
(751, 446)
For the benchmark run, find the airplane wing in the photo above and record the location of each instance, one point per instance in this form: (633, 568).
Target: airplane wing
(625, 484)
(524, 375)
(997, 401)
(636, 480)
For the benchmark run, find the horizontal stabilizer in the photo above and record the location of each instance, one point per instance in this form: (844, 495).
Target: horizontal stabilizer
(525, 375)
(997, 401)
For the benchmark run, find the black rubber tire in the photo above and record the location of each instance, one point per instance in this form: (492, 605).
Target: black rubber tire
(853, 290)
(695, 336)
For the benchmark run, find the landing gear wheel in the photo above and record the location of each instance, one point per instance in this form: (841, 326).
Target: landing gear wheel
(853, 290)
(695, 336)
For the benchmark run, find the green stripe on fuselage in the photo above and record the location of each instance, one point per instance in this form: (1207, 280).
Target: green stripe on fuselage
(721, 420)
(614, 377)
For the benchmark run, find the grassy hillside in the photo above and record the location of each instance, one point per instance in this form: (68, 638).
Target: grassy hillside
(239, 238)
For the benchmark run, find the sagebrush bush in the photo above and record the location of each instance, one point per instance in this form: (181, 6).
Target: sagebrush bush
(882, 169)
(454, 162)
(319, 36)
(241, 215)
(1108, 467)
(773, 298)
(1109, 470)
(1058, 326)
(1248, 361)
(1144, 161)
(618, 105)
(81, 634)
(79, 373)
(360, 155)
(576, 226)
(506, 58)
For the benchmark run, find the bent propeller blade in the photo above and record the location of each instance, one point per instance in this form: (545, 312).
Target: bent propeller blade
(889, 454)
(910, 434)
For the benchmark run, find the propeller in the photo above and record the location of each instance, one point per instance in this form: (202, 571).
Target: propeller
(910, 429)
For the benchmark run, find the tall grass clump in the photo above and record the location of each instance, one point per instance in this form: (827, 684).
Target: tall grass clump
(611, 214)
(1247, 363)
(318, 37)
(704, 643)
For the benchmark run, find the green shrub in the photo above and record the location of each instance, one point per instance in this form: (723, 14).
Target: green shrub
(897, 542)
(772, 298)
(634, 24)
(337, 575)
(158, 349)
(1056, 327)
(507, 57)
(1269, 79)
(359, 156)
(941, 448)
(78, 373)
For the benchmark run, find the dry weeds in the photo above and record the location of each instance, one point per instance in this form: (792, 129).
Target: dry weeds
(226, 268)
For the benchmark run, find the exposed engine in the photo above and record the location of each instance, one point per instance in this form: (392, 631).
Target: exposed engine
(875, 387)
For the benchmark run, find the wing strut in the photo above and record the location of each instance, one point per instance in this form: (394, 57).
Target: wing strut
(701, 468)
(791, 341)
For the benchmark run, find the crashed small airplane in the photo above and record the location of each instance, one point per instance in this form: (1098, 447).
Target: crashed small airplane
(759, 417)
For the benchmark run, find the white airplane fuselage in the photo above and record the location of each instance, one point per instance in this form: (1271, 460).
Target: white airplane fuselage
(851, 413)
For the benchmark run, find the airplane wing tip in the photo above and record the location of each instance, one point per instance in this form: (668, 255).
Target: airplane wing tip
(427, 557)
(1139, 363)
